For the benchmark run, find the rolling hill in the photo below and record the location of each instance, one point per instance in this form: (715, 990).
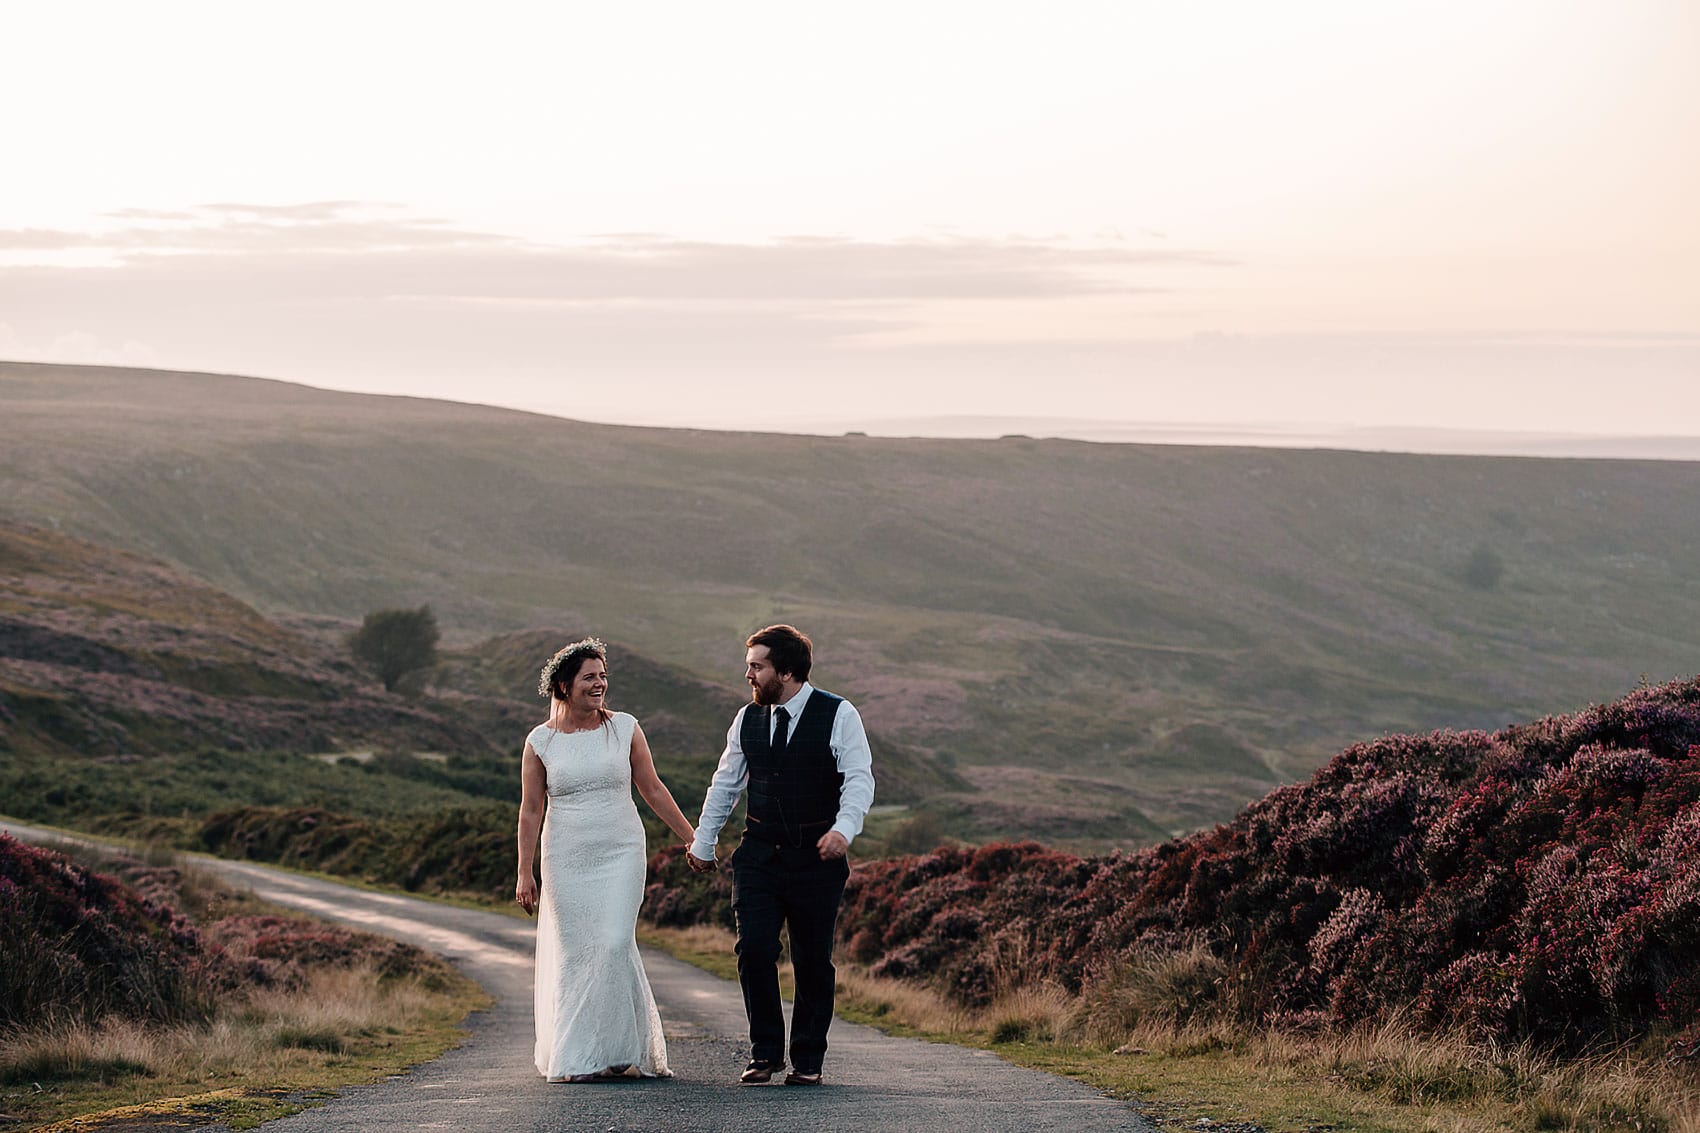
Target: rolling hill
(129, 688)
(1097, 639)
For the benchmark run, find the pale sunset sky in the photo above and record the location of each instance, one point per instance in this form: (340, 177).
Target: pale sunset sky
(1289, 217)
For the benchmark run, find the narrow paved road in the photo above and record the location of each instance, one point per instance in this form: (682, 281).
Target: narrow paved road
(875, 1083)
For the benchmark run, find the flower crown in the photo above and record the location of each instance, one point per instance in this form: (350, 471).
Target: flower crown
(591, 645)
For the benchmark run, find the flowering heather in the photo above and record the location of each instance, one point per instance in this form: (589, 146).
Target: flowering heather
(280, 951)
(1540, 883)
(79, 945)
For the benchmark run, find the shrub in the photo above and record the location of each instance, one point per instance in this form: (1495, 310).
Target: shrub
(77, 945)
(467, 850)
(281, 951)
(676, 897)
(1484, 568)
(394, 643)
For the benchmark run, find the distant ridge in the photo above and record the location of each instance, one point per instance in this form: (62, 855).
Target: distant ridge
(1414, 440)
(1409, 440)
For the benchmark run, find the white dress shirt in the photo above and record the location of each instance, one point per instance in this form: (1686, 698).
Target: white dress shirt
(849, 749)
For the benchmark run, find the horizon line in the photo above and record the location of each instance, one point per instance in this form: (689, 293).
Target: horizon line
(1416, 440)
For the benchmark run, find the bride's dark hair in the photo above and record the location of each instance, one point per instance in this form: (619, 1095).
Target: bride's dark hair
(556, 679)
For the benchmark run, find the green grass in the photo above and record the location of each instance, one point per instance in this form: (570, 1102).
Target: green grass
(63, 788)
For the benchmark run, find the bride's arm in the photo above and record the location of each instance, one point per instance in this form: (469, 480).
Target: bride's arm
(534, 790)
(654, 791)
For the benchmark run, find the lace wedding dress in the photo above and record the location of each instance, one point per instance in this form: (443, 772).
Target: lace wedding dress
(594, 1006)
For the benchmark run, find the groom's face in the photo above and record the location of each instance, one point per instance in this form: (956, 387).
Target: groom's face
(765, 684)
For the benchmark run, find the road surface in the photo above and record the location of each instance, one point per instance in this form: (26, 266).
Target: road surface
(874, 1083)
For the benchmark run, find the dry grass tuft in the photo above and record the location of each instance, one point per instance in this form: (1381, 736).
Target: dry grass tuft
(338, 1005)
(119, 1049)
(1418, 1073)
(1016, 1015)
(266, 1033)
(324, 1032)
(1172, 989)
(705, 940)
(1027, 1014)
(887, 1002)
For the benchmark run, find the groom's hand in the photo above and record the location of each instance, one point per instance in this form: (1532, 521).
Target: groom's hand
(832, 845)
(697, 864)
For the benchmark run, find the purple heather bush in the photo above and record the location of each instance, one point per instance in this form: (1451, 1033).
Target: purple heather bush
(79, 945)
(1540, 883)
(279, 951)
(75, 944)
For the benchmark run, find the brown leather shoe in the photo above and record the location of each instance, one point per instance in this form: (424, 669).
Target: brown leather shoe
(798, 1078)
(759, 1070)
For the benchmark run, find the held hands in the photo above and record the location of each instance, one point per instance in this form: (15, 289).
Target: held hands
(832, 845)
(525, 894)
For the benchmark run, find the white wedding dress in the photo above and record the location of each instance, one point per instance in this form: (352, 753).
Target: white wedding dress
(594, 1006)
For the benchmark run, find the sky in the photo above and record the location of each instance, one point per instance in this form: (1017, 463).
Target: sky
(1257, 219)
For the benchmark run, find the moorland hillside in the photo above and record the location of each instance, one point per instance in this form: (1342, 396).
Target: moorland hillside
(108, 653)
(1102, 638)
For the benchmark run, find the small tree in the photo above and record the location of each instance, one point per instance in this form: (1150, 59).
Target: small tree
(394, 643)
(1484, 568)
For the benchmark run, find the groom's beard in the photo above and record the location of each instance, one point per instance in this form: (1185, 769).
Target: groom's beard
(768, 693)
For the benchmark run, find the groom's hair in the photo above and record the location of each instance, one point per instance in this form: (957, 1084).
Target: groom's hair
(788, 648)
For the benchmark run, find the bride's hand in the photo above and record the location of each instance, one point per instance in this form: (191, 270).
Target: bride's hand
(525, 892)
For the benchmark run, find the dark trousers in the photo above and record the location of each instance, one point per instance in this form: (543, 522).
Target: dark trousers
(771, 886)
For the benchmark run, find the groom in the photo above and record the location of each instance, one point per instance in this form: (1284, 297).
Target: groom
(803, 754)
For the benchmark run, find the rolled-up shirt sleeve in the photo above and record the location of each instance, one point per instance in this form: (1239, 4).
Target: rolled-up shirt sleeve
(856, 763)
(724, 788)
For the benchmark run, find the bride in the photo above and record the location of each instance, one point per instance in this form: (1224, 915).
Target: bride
(596, 1017)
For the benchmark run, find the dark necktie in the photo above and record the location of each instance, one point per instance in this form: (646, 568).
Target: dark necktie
(779, 730)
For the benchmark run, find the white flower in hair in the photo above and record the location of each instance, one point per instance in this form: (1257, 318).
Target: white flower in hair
(590, 645)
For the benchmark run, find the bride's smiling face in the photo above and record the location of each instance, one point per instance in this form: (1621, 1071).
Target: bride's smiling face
(590, 686)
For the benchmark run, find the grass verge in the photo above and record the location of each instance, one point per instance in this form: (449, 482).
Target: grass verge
(710, 948)
(272, 1054)
(1212, 1075)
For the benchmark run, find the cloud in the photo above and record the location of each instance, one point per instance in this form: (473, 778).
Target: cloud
(622, 324)
(43, 240)
(76, 346)
(151, 214)
(370, 249)
(239, 230)
(309, 211)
